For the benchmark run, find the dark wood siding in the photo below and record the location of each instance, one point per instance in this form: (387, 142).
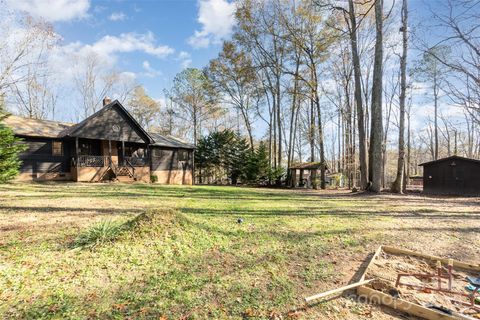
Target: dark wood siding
(168, 159)
(38, 157)
(110, 125)
(455, 177)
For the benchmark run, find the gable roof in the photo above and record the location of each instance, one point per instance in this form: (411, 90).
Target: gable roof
(74, 130)
(448, 159)
(54, 129)
(36, 127)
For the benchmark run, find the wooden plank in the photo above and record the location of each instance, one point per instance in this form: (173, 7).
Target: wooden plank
(456, 263)
(378, 297)
(376, 254)
(337, 290)
(399, 304)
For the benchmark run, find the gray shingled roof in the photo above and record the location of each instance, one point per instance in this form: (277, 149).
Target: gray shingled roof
(169, 141)
(35, 127)
(54, 129)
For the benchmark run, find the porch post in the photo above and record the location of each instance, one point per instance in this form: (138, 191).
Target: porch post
(110, 152)
(123, 153)
(76, 148)
(77, 165)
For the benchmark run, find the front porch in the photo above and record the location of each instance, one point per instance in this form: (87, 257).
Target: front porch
(107, 160)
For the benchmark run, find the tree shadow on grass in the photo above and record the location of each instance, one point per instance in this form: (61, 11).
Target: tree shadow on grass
(330, 212)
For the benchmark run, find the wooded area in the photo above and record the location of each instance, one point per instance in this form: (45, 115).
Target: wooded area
(332, 82)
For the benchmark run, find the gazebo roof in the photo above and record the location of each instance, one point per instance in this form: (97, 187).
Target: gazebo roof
(306, 165)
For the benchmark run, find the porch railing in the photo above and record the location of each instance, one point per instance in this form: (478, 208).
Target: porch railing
(103, 161)
(92, 161)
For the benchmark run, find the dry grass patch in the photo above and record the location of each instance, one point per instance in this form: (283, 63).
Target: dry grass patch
(179, 252)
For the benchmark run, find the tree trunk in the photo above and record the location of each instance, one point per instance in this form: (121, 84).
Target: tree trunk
(311, 132)
(362, 142)
(194, 128)
(274, 125)
(398, 184)
(279, 122)
(377, 119)
(321, 144)
(435, 97)
(409, 153)
(292, 117)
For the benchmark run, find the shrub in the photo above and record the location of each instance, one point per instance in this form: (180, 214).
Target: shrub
(153, 178)
(99, 233)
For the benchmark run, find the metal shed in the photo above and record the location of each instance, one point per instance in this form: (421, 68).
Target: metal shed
(452, 176)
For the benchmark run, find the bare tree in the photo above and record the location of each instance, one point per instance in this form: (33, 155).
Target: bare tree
(144, 109)
(233, 74)
(192, 95)
(376, 122)
(93, 82)
(362, 140)
(399, 180)
(35, 97)
(459, 21)
(21, 46)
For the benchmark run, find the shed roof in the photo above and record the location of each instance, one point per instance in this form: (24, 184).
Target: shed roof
(448, 159)
(169, 141)
(307, 165)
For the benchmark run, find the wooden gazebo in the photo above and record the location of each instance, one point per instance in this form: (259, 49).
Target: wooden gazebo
(304, 179)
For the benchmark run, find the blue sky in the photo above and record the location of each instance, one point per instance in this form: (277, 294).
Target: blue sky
(161, 37)
(154, 40)
(172, 22)
(190, 30)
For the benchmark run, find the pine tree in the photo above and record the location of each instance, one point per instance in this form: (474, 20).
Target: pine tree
(9, 150)
(237, 158)
(263, 164)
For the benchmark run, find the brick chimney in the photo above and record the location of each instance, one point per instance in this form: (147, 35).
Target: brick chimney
(106, 101)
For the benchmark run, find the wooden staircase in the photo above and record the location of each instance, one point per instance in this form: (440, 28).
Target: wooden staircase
(125, 173)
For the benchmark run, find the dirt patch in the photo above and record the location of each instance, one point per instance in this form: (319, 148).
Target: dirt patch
(419, 287)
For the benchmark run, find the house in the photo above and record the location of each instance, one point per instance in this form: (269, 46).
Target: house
(108, 145)
(453, 175)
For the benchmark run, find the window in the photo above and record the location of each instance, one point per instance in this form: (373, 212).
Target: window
(182, 155)
(157, 152)
(57, 148)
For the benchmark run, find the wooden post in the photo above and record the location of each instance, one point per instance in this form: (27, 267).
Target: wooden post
(76, 147)
(75, 173)
(123, 152)
(109, 152)
(313, 177)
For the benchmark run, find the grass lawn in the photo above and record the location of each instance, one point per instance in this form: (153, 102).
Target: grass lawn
(173, 252)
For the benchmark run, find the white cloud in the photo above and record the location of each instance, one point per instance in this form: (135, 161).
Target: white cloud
(52, 10)
(185, 59)
(71, 58)
(217, 20)
(149, 71)
(184, 55)
(130, 42)
(117, 16)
